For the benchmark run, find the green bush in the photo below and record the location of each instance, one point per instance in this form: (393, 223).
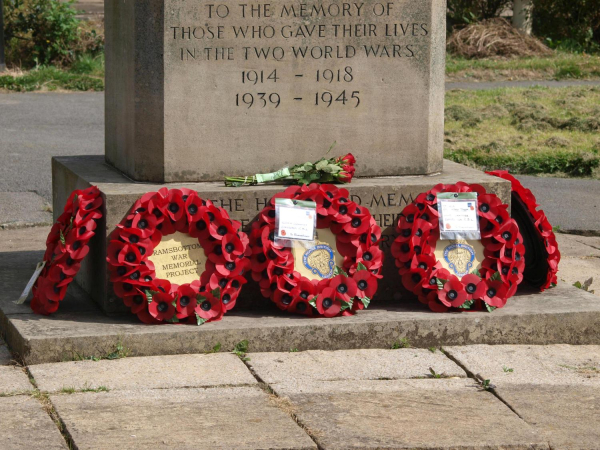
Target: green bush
(572, 25)
(42, 32)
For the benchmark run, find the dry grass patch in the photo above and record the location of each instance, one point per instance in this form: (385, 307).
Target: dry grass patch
(494, 37)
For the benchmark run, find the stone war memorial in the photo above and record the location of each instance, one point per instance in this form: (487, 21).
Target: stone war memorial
(197, 91)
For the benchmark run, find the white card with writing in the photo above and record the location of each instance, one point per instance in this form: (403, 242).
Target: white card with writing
(458, 215)
(295, 221)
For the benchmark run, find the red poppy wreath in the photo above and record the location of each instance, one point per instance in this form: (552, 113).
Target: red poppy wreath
(539, 239)
(221, 244)
(337, 276)
(441, 283)
(66, 246)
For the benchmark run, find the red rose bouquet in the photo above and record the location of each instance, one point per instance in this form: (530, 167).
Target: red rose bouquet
(332, 170)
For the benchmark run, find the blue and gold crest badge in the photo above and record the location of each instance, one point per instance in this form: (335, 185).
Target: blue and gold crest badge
(460, 257)
(320, 260)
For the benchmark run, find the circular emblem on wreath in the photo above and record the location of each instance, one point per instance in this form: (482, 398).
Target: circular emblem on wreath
(320, 260)
(177, 258)
(459, 275)
(334, 275)
(460, 258)
(66, 246)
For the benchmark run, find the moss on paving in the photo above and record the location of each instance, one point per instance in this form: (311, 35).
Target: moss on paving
(529, 131)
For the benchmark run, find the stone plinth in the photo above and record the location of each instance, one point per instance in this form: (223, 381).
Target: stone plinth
(385, 197)
(198, 90)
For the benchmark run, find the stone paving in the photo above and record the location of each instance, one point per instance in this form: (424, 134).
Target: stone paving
(535, 397)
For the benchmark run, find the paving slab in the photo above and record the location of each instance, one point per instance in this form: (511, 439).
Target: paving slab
(13, 380)
(372, 364)
(402, 414)
(573, 270)
(235, 417)
(575, 246)
(151, 372)
(552, 387)
(532, 364)
(23, 209)
(26, 426)
(567, 416)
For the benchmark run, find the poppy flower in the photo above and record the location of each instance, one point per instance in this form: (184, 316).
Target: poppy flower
(513, 272)
(470, 283)
(453, 293)
(42, 305)
(282, 299)
(208, 307)
(175, 205)
(366, 284)
(230, 268)
(343, 209)
(120, 253)
(372, 257)
(492, 292)
(360, 222)
(220, 227)
(228, 298)
(145, 317)
(274, 270)
(145, 223)
(345, 287)
(287, 282)
(68, 265)
(194, 208)
(54, 273)
(161, 307)
(415, 277)
(328, 304)
(136, 301)
(430, 298)
(235, 284)
(300, 306)
(75, 247)
(232, 247)
(186, 301)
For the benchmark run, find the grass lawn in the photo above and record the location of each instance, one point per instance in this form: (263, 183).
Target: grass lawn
(560, 66)
(534, 131)
(86, 74)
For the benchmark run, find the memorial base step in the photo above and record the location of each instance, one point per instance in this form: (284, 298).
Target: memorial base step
(385, 197)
